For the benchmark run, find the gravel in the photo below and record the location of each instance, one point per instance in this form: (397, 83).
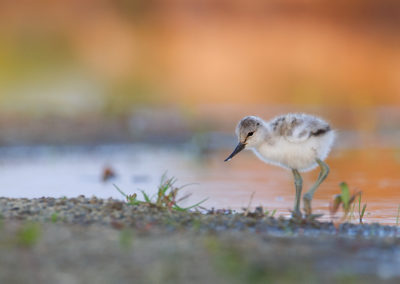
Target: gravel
(91, 240)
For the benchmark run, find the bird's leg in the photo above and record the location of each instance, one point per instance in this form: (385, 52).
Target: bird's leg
(309, 195)
(298, 183)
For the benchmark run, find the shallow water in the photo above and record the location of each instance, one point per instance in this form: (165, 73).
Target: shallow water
(71, 171)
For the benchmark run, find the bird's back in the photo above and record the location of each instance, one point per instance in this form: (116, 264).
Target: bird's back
(298, 128)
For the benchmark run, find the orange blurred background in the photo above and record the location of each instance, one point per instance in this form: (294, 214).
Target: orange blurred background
(81, 62)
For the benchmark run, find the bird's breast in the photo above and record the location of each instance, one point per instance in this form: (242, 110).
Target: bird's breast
(289, 155)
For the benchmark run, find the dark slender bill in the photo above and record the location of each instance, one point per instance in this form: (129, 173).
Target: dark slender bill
(238, 148)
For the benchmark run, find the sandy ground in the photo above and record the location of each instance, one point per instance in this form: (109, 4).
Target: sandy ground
(85, 240)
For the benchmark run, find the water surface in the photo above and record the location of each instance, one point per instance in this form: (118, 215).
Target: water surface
(71, 171)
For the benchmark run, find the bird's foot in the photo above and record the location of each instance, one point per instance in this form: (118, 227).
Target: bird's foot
(309, 217)
(296, 215)
(300, 219)
(313, 217)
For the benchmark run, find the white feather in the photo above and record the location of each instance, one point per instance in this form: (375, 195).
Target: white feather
(298, 148)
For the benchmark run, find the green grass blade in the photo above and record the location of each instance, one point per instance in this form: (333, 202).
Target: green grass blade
(120, 191)
(345, 196)
(363, 211)
(145, 196)
(168, 185)
(193, 206)
(178, 208)
(188, 184)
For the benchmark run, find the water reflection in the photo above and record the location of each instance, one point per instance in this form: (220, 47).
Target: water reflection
(47, 171)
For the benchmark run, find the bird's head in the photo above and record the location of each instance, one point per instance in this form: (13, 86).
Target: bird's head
(249, 133)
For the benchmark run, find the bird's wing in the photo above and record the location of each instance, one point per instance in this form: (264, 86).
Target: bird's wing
(298, 128)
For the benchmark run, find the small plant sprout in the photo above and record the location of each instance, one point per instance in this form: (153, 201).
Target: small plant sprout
(347, 201)
(361, 211)
(130, 198)
(166, 196)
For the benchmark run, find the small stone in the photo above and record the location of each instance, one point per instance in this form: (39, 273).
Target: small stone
(117, 205)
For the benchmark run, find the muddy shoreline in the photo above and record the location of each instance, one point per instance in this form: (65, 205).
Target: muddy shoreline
(91, 240)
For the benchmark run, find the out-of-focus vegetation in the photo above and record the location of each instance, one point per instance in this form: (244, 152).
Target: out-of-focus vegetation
(348, 202)
(89, 60)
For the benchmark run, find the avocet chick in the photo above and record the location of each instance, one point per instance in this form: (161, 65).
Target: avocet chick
(299, 142)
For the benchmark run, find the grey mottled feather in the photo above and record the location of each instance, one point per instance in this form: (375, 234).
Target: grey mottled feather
(298, 127)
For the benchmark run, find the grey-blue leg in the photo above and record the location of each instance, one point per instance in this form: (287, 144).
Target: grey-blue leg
(298, 183)
(307, 198)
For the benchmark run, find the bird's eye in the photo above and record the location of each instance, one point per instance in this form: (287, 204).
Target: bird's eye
(250, 134)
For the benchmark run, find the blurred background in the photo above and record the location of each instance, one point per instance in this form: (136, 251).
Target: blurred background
(147, 86)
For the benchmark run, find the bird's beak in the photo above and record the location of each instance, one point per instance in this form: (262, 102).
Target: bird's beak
(238, 148)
